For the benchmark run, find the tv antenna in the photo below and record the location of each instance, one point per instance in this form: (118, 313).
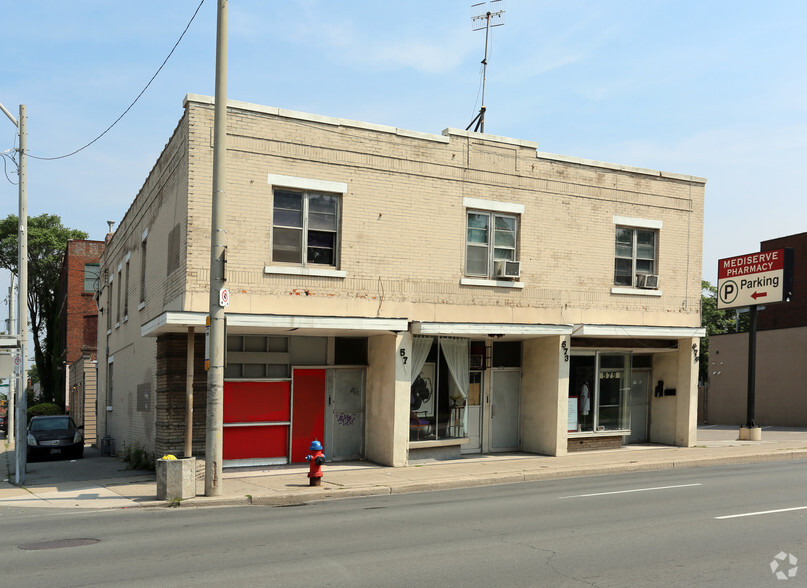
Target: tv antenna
(485, 15)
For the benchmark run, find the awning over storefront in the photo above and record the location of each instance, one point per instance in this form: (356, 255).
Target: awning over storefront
(638, 331)
(176, 322)
(489, 329)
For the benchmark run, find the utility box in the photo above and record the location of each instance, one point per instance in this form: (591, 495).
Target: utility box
(107, 445)
(176, 478)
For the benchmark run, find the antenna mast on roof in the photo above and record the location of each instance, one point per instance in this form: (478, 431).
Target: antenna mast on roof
(485, 15)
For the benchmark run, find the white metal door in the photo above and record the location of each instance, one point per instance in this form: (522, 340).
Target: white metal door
(638, 406)
(504, 411)
(344, 434)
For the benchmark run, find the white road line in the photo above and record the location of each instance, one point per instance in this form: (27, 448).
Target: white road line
(628, 491)
(762, 512)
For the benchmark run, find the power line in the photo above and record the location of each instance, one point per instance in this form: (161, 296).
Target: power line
(117, 120)
(6, 156)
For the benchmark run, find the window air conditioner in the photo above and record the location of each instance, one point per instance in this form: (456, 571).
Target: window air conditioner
(648, 281)
(507, 269)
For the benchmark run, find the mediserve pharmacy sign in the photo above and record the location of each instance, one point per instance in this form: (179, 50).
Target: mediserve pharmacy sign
(757, 278)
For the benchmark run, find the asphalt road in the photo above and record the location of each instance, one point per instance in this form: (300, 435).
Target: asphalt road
(698, 527)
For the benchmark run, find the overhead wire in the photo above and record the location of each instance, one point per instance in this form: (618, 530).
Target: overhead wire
(5, 167)
(117, 120)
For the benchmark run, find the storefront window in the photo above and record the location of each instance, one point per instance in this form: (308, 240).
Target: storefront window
(581, 393)
(599, 403)
(439, 394)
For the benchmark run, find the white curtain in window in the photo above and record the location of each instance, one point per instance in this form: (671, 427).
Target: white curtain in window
(420, 351)
(456, 353)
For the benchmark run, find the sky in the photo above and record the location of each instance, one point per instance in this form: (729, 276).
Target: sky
(714, 89)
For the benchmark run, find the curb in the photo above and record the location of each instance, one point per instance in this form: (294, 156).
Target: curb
(306, 496)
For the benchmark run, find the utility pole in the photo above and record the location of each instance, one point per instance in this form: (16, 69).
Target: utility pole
(218, 247)
(22, 266)
(491, 16)
(12, 381)
(22, 295)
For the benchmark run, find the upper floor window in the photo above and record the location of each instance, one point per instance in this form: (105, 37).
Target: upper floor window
(126, 292)
(636, 254)
(305, 227)
(92, 271)
(143, 249)
(120, 288)
(491, 237)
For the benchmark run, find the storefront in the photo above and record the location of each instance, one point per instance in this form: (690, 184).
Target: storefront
(465, 390)
(280, 393)
(608, 393)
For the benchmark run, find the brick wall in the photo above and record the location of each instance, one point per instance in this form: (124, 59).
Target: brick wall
(592, 443)
(403, 224)
(76, 303)
(170, 395)
(793, 313)
(402, 238)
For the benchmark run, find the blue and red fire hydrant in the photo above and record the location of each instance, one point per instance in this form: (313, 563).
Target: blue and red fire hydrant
(316, 458)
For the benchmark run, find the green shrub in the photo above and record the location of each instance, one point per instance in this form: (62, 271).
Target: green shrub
(136, 457)
(45, 408)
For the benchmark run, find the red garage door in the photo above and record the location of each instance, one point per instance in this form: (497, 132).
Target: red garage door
(256, 421)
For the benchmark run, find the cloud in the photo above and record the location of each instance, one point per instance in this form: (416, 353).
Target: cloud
(358, 38)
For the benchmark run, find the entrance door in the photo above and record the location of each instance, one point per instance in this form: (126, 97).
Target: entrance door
(345, 415)
(504, 398)
(638, 406)
(474, 408)
(308, 411)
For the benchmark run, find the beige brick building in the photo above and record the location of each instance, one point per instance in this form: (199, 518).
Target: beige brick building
(402, 295)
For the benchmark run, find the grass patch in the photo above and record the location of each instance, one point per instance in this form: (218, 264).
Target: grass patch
(136, 457)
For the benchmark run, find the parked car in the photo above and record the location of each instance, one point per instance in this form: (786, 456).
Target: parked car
(3, 424)
(54, 436)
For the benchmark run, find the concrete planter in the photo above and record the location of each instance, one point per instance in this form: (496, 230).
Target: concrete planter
(176, 478)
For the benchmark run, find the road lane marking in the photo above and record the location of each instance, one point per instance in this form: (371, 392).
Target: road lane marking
(633, 490)
(762, 512)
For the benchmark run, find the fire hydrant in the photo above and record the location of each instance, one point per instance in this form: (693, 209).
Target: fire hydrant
(316, 458)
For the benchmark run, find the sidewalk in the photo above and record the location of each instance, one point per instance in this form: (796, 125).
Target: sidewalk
(104, 482)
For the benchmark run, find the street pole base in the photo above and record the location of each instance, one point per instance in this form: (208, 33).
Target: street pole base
(750, 433)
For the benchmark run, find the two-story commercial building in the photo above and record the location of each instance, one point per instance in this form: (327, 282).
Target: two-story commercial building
(402, 295)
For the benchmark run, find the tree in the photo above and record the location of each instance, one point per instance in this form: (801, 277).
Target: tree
(47, 240)
(716, 322)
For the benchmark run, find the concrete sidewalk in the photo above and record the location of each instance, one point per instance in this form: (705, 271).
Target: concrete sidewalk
(104, 482)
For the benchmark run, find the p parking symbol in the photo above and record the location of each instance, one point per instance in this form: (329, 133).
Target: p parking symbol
(728, 291)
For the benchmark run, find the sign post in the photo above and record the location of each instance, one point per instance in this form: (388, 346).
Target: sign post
(750, 280)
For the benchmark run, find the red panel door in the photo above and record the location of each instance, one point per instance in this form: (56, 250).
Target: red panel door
(308, 411)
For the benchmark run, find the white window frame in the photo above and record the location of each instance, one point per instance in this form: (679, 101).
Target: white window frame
(636, 224)
(493, 209)
(307, 186)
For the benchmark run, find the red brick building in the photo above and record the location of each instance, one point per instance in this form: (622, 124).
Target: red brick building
(78, 325)
(794, 313)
